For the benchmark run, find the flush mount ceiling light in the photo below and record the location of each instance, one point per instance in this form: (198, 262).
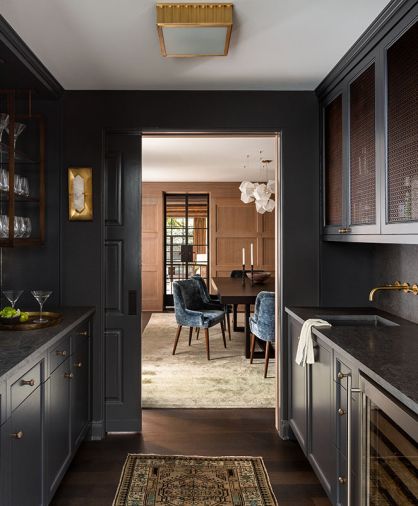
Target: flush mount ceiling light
(192, 30)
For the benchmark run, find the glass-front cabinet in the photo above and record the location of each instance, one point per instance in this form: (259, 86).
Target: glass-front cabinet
(370, 144)
(22, 171)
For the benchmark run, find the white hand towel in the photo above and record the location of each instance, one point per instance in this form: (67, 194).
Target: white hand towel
(305, 351)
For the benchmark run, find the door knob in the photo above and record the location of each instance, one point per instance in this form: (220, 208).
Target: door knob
(341, 412)
(17, 435)
(69, 375)
(30, 382)
(78, 364)
(61, 353)
(342, 480)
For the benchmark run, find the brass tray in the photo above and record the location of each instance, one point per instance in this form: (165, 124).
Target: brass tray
(53, 319)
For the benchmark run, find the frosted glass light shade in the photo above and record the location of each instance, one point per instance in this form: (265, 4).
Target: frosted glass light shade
(194, 41)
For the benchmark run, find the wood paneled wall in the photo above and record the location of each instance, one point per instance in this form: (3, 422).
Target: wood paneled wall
(232, 226)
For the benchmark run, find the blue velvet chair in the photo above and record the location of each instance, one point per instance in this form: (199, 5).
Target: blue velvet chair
(262, 324)
(192, 311)
(213, 299)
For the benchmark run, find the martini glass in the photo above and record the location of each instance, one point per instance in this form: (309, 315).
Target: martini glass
(12, 296)
(41, 296)
(19, 127)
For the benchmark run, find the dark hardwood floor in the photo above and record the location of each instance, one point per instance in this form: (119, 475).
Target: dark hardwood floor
(94, 474)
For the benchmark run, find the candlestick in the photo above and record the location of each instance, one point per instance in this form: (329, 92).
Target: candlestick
(252, 274)
(243, 274)
(252, 254)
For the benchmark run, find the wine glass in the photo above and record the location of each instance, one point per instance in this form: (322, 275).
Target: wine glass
(4, 121)
(41, 296)
(4, 225)
(25, 186)
(19, 127)
(28, 227)
(12, 296)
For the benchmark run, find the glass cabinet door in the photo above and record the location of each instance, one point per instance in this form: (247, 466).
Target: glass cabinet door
(22, 184)
(334, 216)
(362, 153)
(402, 134)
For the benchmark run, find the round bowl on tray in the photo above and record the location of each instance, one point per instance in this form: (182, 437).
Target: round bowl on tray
(259, 277)
(9, 321)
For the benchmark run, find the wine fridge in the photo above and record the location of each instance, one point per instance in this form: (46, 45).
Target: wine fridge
(389, 449)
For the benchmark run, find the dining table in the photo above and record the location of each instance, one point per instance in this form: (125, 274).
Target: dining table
(241, 291)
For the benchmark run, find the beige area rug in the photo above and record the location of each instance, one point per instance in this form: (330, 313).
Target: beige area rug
(188, 380)
(157, 480)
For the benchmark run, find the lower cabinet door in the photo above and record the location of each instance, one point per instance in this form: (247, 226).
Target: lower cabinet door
(80, 412)
(25, 433)
(58, 424)
(297, 388)
(322, 416)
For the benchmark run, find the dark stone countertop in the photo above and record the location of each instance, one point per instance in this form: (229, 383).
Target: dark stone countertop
(18, 346)
(388, 355)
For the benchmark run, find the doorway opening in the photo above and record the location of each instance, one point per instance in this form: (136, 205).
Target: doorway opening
(194, 221)
(186, 239)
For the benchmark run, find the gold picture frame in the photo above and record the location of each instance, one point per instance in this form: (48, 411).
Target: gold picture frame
(80, 194)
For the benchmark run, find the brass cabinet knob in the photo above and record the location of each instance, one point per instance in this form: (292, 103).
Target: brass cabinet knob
(17, 435)
(342, 480)
(78, 364)
(61, 353)
(341, 412)
(341, 230)
(69, 375)
(83, 333)
(30, 382)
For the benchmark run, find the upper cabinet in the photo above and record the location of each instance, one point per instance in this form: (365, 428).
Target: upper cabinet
(22, 171)
(370, 145)
(402, 133)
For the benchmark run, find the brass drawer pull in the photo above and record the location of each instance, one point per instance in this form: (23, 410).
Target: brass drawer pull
(341, 375)
(342, 480)
(83, 333)
(341, 412)
(30, 382)
(61, 353)
(69, 375)
(344, 230)
(17, 435)
(78, 364)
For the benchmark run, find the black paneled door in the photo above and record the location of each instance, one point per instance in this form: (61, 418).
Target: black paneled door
(122, 280)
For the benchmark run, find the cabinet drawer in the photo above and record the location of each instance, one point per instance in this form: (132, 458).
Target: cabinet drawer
(25, 385)
(59, 353)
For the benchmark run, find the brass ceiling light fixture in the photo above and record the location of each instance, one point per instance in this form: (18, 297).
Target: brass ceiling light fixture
(194, 30)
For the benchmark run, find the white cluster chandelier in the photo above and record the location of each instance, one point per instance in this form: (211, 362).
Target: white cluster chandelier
(259, 193)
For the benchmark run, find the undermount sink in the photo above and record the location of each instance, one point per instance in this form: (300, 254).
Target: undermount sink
(364, 320)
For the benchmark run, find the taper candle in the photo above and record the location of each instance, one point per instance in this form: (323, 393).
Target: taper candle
(243, 256)
(252, 253)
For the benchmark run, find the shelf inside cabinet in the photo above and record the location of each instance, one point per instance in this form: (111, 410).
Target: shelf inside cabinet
(20, 157)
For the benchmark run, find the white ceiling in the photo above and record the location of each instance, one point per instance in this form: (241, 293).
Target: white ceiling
(113, 44)
(215, 159)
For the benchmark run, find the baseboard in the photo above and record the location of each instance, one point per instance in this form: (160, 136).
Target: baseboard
(97, 430)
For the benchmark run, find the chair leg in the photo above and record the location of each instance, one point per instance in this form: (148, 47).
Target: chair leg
(190, 335)
(228, 321)
(223, 332)
(197, 332)
(207, 343)
(177, 338)
(266, 365)
(252, 348)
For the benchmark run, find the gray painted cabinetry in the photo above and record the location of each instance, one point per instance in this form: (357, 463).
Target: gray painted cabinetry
(369, 146)
(46, 416)
(318, 410)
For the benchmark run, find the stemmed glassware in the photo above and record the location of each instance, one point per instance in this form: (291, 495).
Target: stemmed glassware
(4, 121)
(12, 296)
(19, 127)
(41, 296)
(4, 225)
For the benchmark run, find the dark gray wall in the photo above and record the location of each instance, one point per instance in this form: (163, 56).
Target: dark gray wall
(30, 268)
(86, 114)
(397, 262)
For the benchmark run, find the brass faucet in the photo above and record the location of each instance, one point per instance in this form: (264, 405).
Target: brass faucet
(406, 287)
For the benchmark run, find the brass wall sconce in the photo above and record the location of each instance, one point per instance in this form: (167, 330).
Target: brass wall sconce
(80, 194)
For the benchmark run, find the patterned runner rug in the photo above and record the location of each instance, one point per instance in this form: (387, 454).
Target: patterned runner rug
(154, 480)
